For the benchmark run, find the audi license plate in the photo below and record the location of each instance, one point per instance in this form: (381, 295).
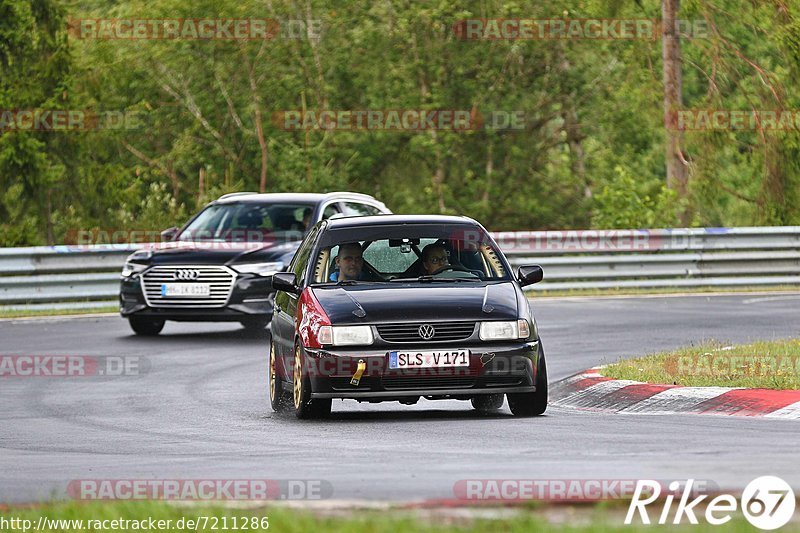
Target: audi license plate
(450, 358)
(185, 289)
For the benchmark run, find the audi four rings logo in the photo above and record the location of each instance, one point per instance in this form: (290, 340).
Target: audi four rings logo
(186, 274)
(426, 331)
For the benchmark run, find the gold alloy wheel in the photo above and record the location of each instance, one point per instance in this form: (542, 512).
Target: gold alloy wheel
(272, 372)
(298, 378)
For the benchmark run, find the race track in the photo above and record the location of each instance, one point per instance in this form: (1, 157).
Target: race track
(201, 412)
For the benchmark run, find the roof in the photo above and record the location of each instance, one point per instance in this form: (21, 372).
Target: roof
(396, 220)
(302, 197)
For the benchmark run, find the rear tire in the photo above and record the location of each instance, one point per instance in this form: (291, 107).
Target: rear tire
(532, 403)
(487, 403)
(278, 398)
(148, 327)
(304, 406)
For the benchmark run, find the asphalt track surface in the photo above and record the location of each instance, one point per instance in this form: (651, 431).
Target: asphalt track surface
(201, 412)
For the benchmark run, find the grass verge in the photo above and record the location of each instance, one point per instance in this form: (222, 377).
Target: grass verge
(21, 313)
(577, 519)
(762, 365)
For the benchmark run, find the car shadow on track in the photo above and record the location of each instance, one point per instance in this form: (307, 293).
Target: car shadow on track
(406, 416)
(251, 337)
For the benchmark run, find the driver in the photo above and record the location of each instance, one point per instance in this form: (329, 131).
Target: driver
(434, 257)
(349, 263)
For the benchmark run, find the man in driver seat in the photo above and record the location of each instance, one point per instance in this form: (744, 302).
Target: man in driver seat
(434, 257)
(349, 263)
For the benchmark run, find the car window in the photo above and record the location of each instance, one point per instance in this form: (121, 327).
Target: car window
(386, 259)
(300, 260)
(330, 210)
(359, 209)
(401, 258)
(246, 221)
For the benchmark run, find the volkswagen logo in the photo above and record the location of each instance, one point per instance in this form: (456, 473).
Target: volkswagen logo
(426, 331)
(186, 274)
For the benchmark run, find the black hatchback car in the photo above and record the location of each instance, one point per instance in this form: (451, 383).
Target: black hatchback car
(398, 308)
(218, 266)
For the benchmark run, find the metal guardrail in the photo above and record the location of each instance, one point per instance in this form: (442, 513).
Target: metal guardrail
(64, 277)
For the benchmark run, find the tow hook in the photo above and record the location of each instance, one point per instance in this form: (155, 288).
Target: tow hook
(359, 372)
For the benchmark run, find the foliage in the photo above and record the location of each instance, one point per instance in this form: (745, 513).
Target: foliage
(591, 152)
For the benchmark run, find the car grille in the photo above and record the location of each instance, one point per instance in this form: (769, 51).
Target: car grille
(445, 331)
(220, 280)
(427, 382)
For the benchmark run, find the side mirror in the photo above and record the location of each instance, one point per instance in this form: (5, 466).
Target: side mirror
(286, 282)
(529, 274)
(169, 234)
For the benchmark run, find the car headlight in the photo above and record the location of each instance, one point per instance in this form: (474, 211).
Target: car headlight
(345, 335)
(132, 268)
(506, 330)
(261, 269)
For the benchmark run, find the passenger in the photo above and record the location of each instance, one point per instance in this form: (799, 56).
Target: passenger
(434, 257)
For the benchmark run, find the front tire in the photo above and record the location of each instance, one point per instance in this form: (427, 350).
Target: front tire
(147, 327)
(532, 403)
(487, 403)
(304, 406)
(278, 398)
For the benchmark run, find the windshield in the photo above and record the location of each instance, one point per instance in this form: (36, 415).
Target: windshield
(249, 222)
(425, 258)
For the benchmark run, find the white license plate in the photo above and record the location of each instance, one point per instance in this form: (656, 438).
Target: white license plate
(185, 289)
(439, 359)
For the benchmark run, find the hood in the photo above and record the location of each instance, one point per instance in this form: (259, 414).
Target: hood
(220, 253)
(418, 302)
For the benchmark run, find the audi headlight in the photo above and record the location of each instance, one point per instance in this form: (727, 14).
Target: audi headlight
(506, 330)
(345, 335)
(261, 269)
(132, 268)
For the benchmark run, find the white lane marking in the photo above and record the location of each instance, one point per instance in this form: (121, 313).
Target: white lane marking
(770, 299)
(684, 398)
(790, 411)
(590, 394)
(544, 299)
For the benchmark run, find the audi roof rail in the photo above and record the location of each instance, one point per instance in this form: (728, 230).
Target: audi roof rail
(231, 194)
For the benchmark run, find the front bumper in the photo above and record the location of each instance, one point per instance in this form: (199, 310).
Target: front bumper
(251, 296)
(493, 369)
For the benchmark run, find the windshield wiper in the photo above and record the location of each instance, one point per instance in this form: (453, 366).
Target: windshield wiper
(428, 278)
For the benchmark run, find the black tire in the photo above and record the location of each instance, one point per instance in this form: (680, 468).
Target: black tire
(487, 403)
(532, 403)
(304, 406)
(148, 327)
(255, 324)
(279, 399)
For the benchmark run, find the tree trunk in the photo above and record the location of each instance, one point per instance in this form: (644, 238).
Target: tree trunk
(201, 186)
(677, 171)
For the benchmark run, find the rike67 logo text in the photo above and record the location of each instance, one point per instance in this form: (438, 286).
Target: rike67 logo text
(767, 502)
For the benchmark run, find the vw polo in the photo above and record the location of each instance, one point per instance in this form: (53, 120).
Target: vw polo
(398, 308)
